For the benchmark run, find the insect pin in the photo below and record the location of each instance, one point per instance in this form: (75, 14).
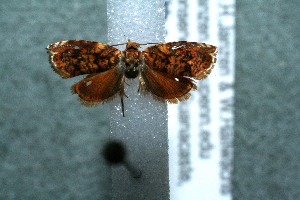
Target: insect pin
(167, 71)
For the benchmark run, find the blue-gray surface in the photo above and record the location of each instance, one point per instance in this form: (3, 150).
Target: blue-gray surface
(49, 144)
(267, 109)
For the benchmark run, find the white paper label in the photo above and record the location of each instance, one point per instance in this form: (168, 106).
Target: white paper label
(201, 129)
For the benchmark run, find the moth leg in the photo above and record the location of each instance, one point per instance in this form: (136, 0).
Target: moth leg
(141, 84)
(122, 104)
(122, 94)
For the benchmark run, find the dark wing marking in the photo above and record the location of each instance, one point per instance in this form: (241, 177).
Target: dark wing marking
(76, 57)
(190, 59)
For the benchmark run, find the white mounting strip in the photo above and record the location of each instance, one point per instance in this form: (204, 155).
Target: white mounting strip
(201, 129)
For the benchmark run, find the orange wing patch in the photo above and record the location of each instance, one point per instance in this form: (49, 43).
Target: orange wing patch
(76, 57)
(101, 87)
(182, 58)
(165, 87)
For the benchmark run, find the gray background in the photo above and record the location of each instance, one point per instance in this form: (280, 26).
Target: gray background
(49, 144)
(267, 108)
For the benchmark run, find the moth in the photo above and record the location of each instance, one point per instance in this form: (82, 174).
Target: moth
(167, 71)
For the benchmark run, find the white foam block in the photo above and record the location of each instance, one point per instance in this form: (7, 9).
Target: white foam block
(144, 127)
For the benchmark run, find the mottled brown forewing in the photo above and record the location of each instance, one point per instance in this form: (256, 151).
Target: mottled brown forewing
(182, 58)
(76, 57)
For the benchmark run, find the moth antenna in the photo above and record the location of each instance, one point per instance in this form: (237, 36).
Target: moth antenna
(150, 43)
(118, 44)
(130, 40)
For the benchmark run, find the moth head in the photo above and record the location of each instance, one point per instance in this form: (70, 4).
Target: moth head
(132, 45)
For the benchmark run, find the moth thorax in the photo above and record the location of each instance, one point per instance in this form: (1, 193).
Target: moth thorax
(131, 70)
(132, 63)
